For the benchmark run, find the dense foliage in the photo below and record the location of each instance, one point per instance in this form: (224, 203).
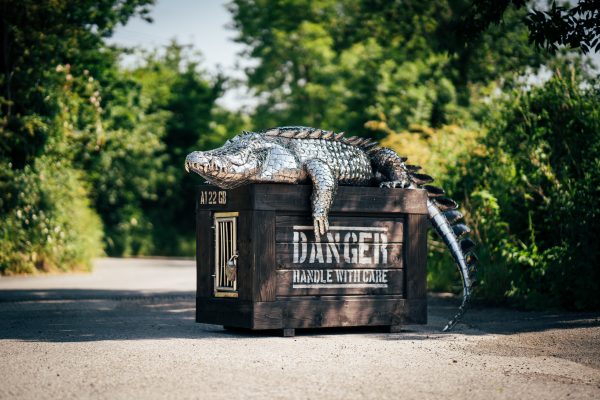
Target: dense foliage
(50, 121)
(342, 64)
(173, 85)
(571, 24)
(534, 196)
(91, 152)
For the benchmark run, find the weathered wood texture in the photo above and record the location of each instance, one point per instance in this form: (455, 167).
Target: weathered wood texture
(307, 312)
(347, 312)
(373, 255)
(263, 236)
(392, 227)
(353, 286)
(246, 251)
(416, 257)
(368, 270)
(296, 198)
(204, 253)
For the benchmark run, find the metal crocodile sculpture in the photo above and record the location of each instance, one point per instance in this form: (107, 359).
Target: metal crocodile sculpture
(296, 154)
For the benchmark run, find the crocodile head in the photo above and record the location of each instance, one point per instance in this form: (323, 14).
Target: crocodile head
(235, 163)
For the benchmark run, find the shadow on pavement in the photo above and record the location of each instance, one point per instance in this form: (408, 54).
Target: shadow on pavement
(71, 315)
(22, 295)
(494, 320)
(94, 315)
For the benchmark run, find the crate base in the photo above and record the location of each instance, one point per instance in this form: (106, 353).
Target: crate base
(303, 312)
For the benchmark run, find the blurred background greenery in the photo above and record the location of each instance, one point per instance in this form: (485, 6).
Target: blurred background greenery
(502, 108)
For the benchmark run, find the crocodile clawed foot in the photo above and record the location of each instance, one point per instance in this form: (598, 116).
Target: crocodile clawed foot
(321, 226)
(394, 184)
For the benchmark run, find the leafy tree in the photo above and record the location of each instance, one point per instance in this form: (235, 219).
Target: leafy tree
(51, 56)
(123, 160)
(174, 85)
(36, 37)
(342, 64)
(577, 27)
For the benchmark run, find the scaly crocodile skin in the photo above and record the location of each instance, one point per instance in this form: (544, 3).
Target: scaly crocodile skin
(298, 154)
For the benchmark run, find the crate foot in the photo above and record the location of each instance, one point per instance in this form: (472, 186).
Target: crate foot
(289, 332)
(231, 328)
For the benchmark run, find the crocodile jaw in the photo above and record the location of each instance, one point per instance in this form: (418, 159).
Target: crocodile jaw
(219, 171)
(206, 165)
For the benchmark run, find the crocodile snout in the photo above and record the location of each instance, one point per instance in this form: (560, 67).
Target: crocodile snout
(197, 161)
(204, 163)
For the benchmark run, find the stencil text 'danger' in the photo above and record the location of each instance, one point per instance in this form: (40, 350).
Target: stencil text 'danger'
(353, 247)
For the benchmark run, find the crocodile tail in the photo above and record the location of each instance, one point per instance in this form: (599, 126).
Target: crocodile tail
(460, 249)
(444, 217)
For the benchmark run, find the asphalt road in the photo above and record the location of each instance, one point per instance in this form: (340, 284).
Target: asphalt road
(128, 331)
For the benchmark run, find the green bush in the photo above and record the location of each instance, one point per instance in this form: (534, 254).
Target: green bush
(535, 197)
(175, 86)
(47, 223)
(51, 127)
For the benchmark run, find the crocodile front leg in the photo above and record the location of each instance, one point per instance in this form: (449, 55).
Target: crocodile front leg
(324, 187)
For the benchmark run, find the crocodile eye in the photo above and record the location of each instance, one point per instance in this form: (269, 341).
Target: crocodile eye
(238, 159)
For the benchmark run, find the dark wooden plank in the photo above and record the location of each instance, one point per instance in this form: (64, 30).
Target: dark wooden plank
(347, 312)
(268, 315)
(288, 197)
(263, 237)
(347, 199)
(235, 313)
(416, 257)
(342, 227)
(204, 253)
(341, 255)
(224, 311)
(335, 297)
(339, 282)
(413, 312)
(308, 313)
(416, 311)
(210, 197)
(245, 261)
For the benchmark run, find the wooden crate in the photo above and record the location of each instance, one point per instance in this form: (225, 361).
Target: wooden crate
(370, 270)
